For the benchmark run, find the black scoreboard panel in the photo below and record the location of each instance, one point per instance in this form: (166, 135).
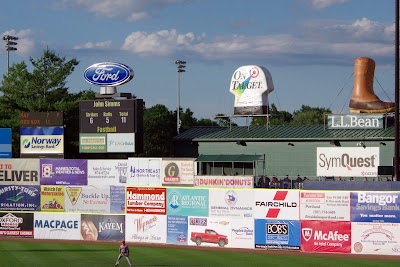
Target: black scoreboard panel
(110, 116)
(41, 119)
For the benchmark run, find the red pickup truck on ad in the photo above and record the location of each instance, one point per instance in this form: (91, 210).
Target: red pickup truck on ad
(209, 236)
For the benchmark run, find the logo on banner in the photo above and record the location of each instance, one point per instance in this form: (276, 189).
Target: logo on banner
(243, 231)
(53, 204)
(230, 198)
(110, 226)
(307, 233)
(175, 201)
(10, 221)
(172, 173)
(276, 204)
(198, 221)
(142, 224)
(73, 194)
(47, 170)
(122, 168)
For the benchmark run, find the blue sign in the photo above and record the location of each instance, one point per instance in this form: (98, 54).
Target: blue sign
(177, 230)
(19, 197)
(117, 199)
(277, 234)
(108, 74)
(107, 227)
(187, 202)
(380, 207)
(5, 143)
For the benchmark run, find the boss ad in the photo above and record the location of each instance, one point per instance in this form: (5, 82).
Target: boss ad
(57, 226)
(87, 199)
(16, 225)
(20, 172)
(178, 172)
(102, 227)
(379, 207)
(187, 201)
(63, 172)
(144, 171)
(231, 203)
(107, 172)
(177, 230)
(146, 228)
(52, 198)
(277, 204)
(20, 197)
(146, 200)
(117, 199)
(209, 232)
(277, 234)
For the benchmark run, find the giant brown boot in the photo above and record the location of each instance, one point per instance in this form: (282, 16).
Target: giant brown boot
(364, 99)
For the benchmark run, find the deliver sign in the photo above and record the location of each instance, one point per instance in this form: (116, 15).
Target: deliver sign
(325, 236)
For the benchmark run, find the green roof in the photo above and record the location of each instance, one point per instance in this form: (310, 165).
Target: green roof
(230, 158)
(282, 132)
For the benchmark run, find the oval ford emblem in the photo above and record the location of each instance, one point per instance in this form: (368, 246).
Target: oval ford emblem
(108, 74)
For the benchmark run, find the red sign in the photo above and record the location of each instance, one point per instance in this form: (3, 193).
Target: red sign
(326, 236)
(146, 200)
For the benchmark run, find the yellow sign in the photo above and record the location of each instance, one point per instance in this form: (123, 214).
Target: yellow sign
(52, 198)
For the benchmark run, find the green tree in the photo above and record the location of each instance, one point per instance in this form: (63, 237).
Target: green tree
(42, 89)
(276, 118)
(309, 116)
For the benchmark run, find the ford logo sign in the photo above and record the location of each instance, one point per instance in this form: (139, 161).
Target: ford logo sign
(108, 74)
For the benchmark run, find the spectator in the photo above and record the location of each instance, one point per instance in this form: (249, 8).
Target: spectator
(286, 183)
(299, 182)
(274, 182)
(351, 178)
(388, 179)
(380, 179)
(365, 179)
(339, 178)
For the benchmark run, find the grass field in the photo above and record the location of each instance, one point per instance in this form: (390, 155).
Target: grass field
(38, 254)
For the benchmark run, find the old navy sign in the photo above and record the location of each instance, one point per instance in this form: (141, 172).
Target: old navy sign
(108, 74)
(355, 122)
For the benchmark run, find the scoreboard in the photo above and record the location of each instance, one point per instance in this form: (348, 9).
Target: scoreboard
(107, 116)
(41, 119)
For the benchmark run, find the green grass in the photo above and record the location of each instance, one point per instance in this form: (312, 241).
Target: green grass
(38, 254)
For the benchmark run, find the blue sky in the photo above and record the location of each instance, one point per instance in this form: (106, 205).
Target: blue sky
(309, 46)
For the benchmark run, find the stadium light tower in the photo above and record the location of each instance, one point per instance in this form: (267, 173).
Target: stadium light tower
(181, 65)
(10, 46)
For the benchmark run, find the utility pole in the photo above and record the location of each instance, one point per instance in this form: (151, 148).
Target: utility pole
(181, 65)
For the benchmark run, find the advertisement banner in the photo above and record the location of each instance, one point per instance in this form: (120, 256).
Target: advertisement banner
(276, 204)
(19, 197)
(42, 140)
(377, 207)
(5, 143)
(87, 199)
(178, 172)
(348, 161)
(277, 234)
(231, 203)
(63, 171)
(325, 206)
(52, 198)
(117, 199)
(16, 225)
(102, 227)
(107, 172)
(242, 235)
(144, 171)
(224, 181)
(146, 228)
(121, 142)
(57, 226)
(187, 202)
(19, 172)
(375, 238)
(177, 230)
(325, 236)
(93, 143)
(146, 200)
(206, 231)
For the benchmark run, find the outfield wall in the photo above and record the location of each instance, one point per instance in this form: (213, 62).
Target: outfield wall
(62, 206)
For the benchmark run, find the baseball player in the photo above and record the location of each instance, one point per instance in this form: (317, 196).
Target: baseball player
(123, 252)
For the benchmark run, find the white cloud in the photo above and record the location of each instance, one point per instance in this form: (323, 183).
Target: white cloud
(131, 10)
(25, 42)
(90, 45)
(320, 4)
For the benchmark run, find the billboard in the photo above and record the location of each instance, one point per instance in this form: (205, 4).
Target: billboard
(177, 230)
(210, 232)
(375, 238)
(102, 227)
(87, 199)
(187, 201)
(325, 205)
(276, 204)
(63, 171)
(117, 199)
(224, 181)
(377, 207)
(52, 198)
(144, 171)
(277, 234)
(5, 143)
(19, 172)
(178, 171)
(107, 172)
(325, 236)
(242, 235)
(42, 140)
(231, 203)
(20, 197)
(146, 228)
(16, 225)
(57, 226)
(146, 200)
(41, 119)
(347, 161)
